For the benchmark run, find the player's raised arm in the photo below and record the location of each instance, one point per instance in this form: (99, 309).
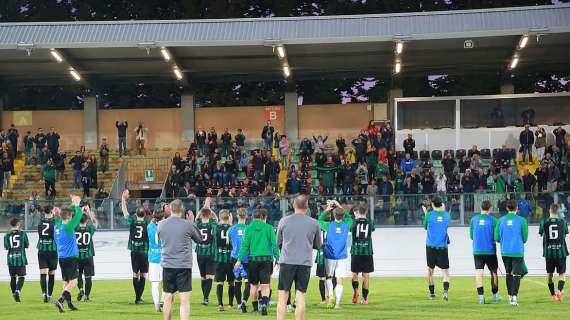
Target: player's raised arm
(92, 217)
(124, 198)
(75, 202)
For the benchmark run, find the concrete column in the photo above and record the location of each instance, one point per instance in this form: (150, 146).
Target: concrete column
(507, 88)
(187, 106)
(90, 132)
(291, 116)
(392, 95)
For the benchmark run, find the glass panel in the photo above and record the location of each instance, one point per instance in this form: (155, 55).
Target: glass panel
(426, 114)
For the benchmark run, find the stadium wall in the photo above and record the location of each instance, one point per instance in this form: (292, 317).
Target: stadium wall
(398, 252)
(333, 120)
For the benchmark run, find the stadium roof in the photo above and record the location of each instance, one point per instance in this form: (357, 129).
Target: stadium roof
(315, 47)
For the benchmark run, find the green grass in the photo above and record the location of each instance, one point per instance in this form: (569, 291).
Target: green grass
(390, 298)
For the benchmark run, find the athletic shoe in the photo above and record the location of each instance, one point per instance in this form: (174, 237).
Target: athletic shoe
(220, 308)
(324, 302)
(337, 306)
(445, 296)
(243, 307)
(71, 307)
(16, 296)
(481, 300)
(205, 302)
(59, 306)
(139, 301)
(432, 296)
(80, 295)
(497, 297)
(263, 310)
(45, 298)
(364, 301)
(514, 301)
(87, 300)
(355, 297)
(289, 308)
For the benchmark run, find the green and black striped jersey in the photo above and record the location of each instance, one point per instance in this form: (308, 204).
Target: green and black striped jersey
(46, 241)
(362, 237)
(207, 232)
(16, 242)
(320, 258)
(84, 238)
(553, 232)
(138, 235)
(223, 246)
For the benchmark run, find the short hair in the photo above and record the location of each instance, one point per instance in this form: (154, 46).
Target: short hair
(301, 202)
(66, 213)
(554, 208)
(176, 206)
(258, 214)
(486, 205)
(48, 208)
(158, 215)
(361, 209)
(338, 212)
(242, 213)
(140, 212)
(205, 212)
(14, 222)
(225, 215)
(511, 205)
(437, 202)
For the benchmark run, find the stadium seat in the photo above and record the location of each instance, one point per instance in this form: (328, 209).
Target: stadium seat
(460, 153)
(415, 155)
(436, 155)
(400, 155)
(449, 151)
(496, 152)
(513, 153)
(485, 154)
(424, 155)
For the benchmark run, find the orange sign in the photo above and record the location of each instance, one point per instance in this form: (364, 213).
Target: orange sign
(273, 113)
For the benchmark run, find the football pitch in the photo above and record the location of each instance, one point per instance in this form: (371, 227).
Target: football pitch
(390, 298)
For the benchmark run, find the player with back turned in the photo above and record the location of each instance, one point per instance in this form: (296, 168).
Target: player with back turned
(236, 236)
(436, 222)
(47, 252)
(85, 265)
(16, 242)
(223, 259)
(553, 231)
(138, 245)
(206, 222)
(362, 260)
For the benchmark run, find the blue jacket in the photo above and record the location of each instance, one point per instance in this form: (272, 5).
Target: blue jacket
(481, 231)
(154, 244)
(436, 224)
(336, 245)
(407, 165)
(512, 233)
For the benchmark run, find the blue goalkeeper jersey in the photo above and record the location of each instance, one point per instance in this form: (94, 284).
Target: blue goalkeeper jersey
(336, 245)
(436, 224)
(65, 235)
(481, 231)
(154, 244)
(236, 236)
(512, 232)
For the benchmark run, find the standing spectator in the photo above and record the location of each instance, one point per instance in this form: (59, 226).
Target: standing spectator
(540, 142)
(59, 162)
(212, 141)
(49, 178)
(441, 184)
(362, 174)
(528, 181)
(240, 139)
(40, 140)
(340, 145)
(320, 143)
(464, 164)
(448, 164)
(93, 171)
(201, 141)
(553, 177)
(104, 155)
(409, 144)
(385, 187)
(13, 135)
(7, 167)
(226, 142)
(284, 150)
(140, 138)
(53, 141)
(360, 148)
(560, 135)
(86, 178)
(427, 181)
(267, 135)
(28, 147)
(122, 135)
(76, 163)
(387, 135)
(526, 140)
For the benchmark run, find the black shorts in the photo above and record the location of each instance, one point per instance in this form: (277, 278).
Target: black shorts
(139, 262)
(289, 273)
(556, 265)
(513, 265)
(362, 264)
(47, 260)
(489, 260)
(17, 271)
(206, 265)
(86, 267)
(437, 258)
(259, 272)
(321, 272)
(224, 272)
(68, 268)
(174, 280)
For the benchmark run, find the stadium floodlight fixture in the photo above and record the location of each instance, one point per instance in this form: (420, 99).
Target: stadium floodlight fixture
(56, 55)
(399, 47)
(286, 71)
(75, 74)
(165, 54)
(523, 41)
(514, 63)
(178, 73)
(398, 67)
(281, 51)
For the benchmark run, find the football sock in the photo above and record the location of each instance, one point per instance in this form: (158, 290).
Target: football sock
(330, 288)
(289, 298)
(365, 294)
(154, 287)
(65, 296)
(208, 288)
(516, 284)
(334, 282)
(20, 283)
(322, 289)
(51, 283)
(338, 293)
(43, 283)
(246, 291)
(88, 286)
(80, 282)
(204, 288)
(265, 301)
(431, 289)
(237, 291)
(255, 305)
(142, 282)
(355, 285)
(13, 284)
(551, 288)
(270, 293)
(480, 291)
(561, 285)
(494, 289)
(510, 284)
(446, 286)
(136, 287)
(231, 293)
(220, 294)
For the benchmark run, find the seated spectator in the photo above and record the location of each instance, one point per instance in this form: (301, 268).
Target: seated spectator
(407, 164)
(504, 157)
(427, 181)
(528, 181)
(464, 164)
(385, 187)
(473, 151)
(476, 165)
(468, 182)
